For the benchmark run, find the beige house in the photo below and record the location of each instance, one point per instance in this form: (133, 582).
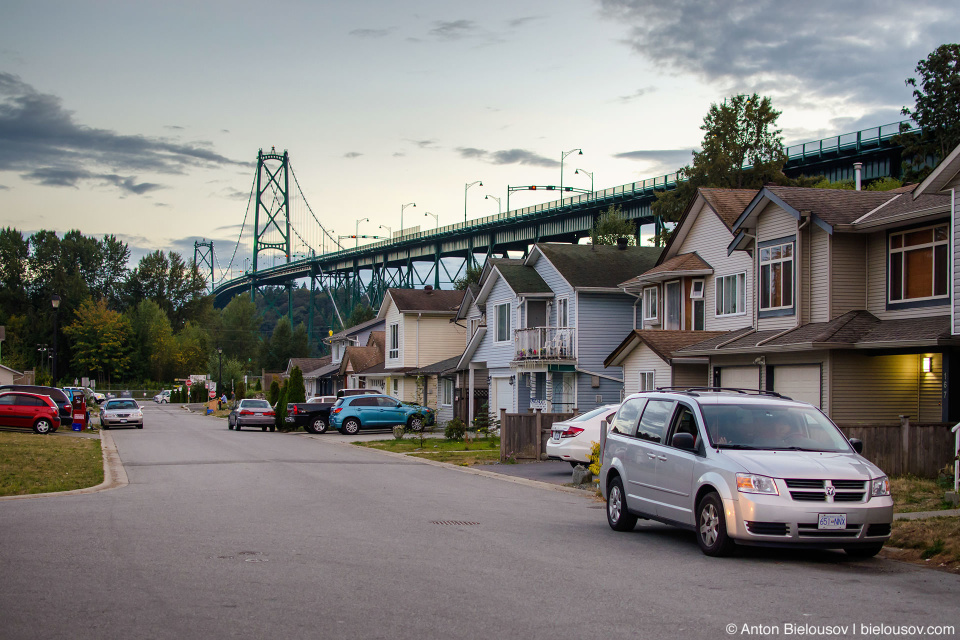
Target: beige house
(420, 331)
(852, 304)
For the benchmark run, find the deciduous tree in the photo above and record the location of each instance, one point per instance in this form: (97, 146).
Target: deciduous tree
(612, 225)
(936, 92)
(101, 340)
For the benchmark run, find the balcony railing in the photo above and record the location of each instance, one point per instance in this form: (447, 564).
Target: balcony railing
(545, 343)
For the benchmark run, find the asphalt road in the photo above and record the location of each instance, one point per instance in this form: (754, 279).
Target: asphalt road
(265, 535)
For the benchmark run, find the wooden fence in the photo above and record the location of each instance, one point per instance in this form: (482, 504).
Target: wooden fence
(917, 449)
(523, 436)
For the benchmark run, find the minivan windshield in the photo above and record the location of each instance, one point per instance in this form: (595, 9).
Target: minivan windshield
(771, 427)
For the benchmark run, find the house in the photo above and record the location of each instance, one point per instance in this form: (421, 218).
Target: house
(851, 303)
(361, 367)
(8, 375)
(438, 381)
(420, 332)
(545, 324)
(326, 380)
(696, 290)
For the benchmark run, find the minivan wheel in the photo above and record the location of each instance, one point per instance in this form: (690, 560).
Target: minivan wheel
(351, 426)
(42, 426)
(319, 425)
(864, 552)
(618, 517)
(712, 527)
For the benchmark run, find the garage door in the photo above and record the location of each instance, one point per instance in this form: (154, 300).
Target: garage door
(504, 392)
(798, 382)
(740, 377)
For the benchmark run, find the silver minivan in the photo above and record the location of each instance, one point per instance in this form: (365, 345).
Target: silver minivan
(742, 468)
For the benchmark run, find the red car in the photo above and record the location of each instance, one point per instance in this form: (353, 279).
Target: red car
(29, 410)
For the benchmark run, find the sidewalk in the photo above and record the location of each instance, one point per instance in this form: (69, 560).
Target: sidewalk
(921, 515)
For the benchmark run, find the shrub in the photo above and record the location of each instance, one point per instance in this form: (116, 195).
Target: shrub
(296, 392)
(455, 430)
(594, 458)
(274, 392)
(240, 391)
(281, 410)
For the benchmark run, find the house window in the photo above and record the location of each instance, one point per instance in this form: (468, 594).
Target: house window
(646, 381)
(776, 276)
(672, 305)
(563, 305)
(732, 295)
(503, 322)
(650, 303)
(474, 325)
(396, 387)
(446, 392)
(696, 290)
(919, 264)
(394, 341)
(698, 315)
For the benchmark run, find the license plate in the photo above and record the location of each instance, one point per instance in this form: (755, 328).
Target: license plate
(259, 414)
(832, 521)
(123, 421)
(556, 436)
(289, 418)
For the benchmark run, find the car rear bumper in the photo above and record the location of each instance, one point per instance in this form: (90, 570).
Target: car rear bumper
(782, 521)
(256, 421)
(568, 449)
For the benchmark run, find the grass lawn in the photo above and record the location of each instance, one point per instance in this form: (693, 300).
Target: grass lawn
(30, 463)
(911, 494)
(479, 451)
(932, 541)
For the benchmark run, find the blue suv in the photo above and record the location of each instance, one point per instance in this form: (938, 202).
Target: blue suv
(352, 413)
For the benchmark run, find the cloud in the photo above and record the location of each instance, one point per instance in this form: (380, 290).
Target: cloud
(372, 33)
(639, 93)
(41, 139)
(424, 144)
(453, 30)
(399, 154)
(520, 22)
(352, 154)
(230, 193)
(175, 127)
(4, 187)
(657, 161)
(818, 48)
(507, 156)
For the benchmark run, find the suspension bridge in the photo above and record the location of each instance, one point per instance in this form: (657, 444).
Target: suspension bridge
(290, 244)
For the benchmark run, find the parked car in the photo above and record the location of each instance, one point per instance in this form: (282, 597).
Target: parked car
(57, 395)
(91, 396)
(313, 415)
(352, 413)
(30, 411)
(572, 439)
(250, 412)
(163, 397)
(742, 469)
(121, 412)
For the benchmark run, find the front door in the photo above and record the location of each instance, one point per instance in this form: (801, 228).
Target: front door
(504, 399)
(536, 313)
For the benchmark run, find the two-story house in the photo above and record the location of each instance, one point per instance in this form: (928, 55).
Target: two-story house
(420, 331)
(361, 367)
(326, 380)
(852, 304)
(549, 321)
(696, 291)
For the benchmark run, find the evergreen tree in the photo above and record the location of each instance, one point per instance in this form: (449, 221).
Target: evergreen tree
(296, 391)
(611, 225)
(936, 110)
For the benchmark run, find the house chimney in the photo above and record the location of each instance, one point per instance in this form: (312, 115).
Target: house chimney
(857, 171)
(622, 244)
(428, 288)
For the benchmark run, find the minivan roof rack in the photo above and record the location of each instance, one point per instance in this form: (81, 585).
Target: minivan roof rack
(694, 390)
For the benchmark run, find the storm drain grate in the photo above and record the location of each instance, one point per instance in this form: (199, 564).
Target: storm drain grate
(459, 523)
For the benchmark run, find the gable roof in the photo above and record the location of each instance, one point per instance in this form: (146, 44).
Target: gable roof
(469, 297)
(685, 264)
(664, 343)
(726, 204)
(946, 173)
(306, 364)
(523, 279)
(359, 328)
(362, 358)
(587, 266)
(423, 300)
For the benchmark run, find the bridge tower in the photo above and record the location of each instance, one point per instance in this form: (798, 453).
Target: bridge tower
(271, 222)
(203, 258)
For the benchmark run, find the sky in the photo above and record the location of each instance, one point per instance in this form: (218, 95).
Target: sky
(144, 119)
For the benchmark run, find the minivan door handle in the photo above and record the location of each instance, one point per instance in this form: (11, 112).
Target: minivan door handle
(652, 456)
(664, 458)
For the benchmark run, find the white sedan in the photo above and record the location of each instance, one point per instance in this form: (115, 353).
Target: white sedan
(121, 412)
(572, 439)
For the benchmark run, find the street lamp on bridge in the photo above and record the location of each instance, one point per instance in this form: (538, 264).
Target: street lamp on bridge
(562, 158)
(436, 218)
(586, 173)
(389, 231)
(490, 197)
(409, 204)
(357, 234)
(465, 189)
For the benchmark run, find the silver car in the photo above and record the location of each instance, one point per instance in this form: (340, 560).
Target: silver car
(121, 412)
(738, 468)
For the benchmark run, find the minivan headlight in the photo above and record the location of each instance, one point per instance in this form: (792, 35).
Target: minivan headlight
(880, 487)
(750, 483)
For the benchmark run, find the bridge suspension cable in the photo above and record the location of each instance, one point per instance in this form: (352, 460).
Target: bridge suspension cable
(239, 237)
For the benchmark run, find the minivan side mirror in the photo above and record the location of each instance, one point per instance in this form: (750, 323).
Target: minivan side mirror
(684, 441)
(857, 444)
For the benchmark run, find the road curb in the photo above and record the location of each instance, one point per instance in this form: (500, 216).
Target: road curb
(114, 475)
(537, 484)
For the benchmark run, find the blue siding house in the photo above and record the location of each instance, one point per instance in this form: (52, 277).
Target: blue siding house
(549, 322)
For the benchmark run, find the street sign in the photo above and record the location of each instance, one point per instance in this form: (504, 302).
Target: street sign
(189, 382)
(213, 394)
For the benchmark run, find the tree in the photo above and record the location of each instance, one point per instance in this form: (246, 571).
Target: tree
(741, 149)
(611, 225)
(274, 392)
(280, 411)
(936, 110)
(470, 276)
(192, 346)
(101, 340)
(239, 330)
(154, 339)
(360, 314)
(296, 391)
(14, 250)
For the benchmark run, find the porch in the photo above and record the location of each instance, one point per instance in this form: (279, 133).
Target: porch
(545, 343)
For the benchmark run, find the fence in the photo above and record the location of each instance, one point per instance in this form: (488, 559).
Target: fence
(916, 449)
(523, 436)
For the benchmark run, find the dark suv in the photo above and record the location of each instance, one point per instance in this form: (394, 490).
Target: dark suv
(57, 395)
(29, 410)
